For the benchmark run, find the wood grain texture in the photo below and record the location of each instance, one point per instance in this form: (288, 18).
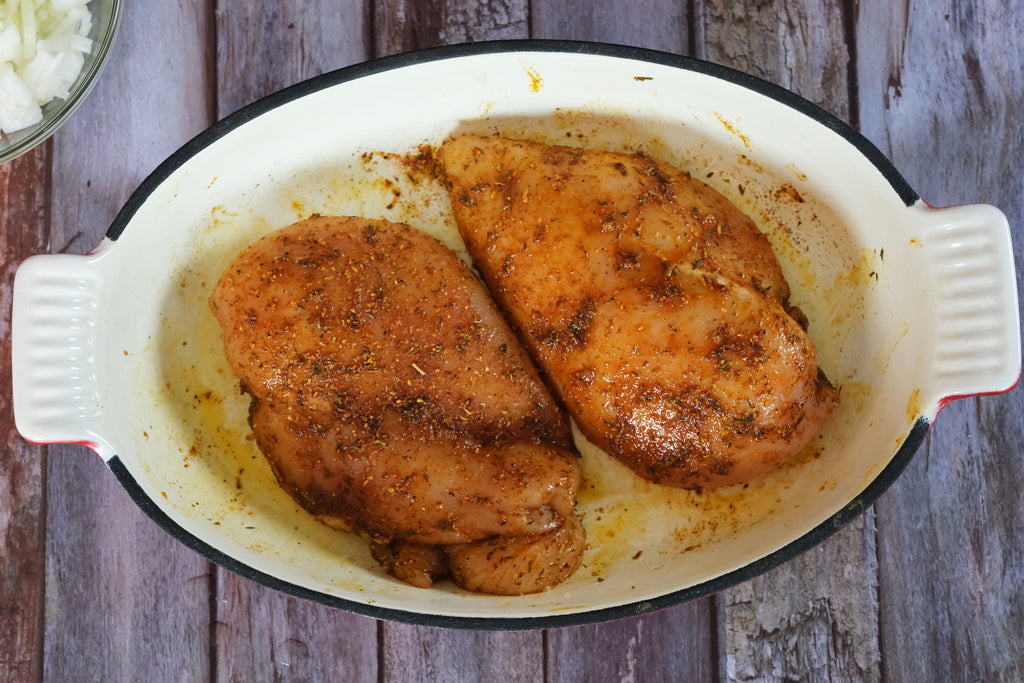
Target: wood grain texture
(124, 601)
(265, 46)
(24, 220)
(796, 44)
(672, 644)
(942, 93)
(811, 619)
(263, 635)
(419, 653)
(653, 24)
(403, 25)
(816, 617)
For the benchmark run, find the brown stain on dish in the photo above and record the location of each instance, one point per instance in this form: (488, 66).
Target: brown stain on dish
(915, 406)
(849, 307)
(797, 172)
(219, 216)
(732, 128)
(789, 193)
(624, 513)
(536, 82)
(855, 394)
(201, 381)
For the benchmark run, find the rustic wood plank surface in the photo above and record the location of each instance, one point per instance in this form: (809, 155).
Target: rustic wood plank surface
(942, 94)
(653, 24)
(23, 220)
(924, 586)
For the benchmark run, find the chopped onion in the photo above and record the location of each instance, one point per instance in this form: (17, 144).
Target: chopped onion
(18, 108)
(10, 44)
(43, 44)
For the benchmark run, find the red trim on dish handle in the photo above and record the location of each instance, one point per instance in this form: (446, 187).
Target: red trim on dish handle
(91, 445)
(946, 400)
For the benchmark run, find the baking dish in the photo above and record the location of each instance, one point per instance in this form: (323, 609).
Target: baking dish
(910, 307)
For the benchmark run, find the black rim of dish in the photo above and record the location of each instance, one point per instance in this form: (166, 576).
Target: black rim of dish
(812, 538)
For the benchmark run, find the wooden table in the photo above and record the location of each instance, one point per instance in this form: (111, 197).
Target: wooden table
(925, 586)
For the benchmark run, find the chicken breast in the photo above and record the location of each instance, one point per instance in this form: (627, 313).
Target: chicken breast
(656, 308)
(392, 400)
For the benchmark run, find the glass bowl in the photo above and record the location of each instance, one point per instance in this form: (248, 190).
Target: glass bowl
(105, 19)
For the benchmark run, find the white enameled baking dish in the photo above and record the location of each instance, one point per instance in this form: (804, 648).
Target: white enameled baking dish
(909, 306)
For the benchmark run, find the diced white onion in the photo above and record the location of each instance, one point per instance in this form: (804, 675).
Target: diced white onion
(65, 5)
(10, 43)
(28, 30)
(18, 109)
(71, 42)
(43, 44)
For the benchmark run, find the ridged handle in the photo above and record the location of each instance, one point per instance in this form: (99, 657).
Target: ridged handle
(56, 310)
(977, 348)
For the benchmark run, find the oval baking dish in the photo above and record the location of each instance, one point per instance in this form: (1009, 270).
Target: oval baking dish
(909, 307)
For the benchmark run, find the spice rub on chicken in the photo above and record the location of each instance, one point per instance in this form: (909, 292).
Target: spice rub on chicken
(656, 308)
(392, 400)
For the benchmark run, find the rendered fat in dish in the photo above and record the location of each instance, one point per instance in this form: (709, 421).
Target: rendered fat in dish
(393, 401)
(656, 308)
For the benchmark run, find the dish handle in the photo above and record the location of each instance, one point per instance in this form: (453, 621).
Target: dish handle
(55, 311)
(977, 321)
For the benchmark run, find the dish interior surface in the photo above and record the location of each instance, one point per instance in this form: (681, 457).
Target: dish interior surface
(174, 414)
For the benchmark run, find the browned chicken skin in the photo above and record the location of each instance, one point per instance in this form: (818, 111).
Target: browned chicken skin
(657, 309)
(392, 400)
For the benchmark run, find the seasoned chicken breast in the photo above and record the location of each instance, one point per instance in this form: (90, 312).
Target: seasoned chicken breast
(392, 400)
(656, 308)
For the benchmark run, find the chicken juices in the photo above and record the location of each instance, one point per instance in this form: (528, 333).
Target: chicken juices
(393, 401)
(656, 308)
